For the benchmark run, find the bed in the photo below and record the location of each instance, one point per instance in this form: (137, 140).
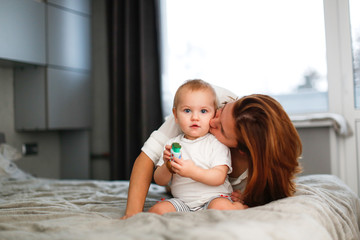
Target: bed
(37, 208)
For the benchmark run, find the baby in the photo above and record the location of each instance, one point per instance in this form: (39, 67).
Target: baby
(199, 178)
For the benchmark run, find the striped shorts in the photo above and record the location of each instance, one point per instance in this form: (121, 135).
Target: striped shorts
(180, 206)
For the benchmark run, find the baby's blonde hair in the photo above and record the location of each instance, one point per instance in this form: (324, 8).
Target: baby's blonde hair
(194, 85)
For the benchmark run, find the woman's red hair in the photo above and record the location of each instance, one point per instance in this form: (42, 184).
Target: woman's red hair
(269, 139)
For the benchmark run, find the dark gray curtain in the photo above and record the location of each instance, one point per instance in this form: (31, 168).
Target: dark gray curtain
(134, 73)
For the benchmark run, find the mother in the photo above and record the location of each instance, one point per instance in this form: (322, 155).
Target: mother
(265, 148)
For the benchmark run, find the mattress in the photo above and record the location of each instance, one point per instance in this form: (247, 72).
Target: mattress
(36, 208)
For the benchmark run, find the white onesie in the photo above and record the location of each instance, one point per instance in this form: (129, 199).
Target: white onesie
(206, 152)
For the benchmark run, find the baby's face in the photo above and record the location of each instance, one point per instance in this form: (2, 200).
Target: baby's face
(194, 111)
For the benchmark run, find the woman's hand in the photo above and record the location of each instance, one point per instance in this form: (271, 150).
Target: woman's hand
(237, 196)
(126, 216)
(238, 199)
(140, 180)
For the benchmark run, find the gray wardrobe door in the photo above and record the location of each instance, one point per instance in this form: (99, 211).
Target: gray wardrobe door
(83, 6)
(68, 39)
(30, 98)
(69, 100)
(22, 31)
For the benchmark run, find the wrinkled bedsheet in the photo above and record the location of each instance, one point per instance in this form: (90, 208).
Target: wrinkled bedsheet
(35, 209)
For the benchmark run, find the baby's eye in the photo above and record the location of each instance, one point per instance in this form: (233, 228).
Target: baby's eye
(187, 110)
(204, 111)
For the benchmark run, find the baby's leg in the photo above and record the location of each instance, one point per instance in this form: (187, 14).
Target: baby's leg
(162, 207)
(222, 203)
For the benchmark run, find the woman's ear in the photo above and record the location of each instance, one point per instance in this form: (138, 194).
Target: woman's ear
(241, 152)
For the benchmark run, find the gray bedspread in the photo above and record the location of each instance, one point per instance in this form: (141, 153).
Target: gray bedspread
(35, 209)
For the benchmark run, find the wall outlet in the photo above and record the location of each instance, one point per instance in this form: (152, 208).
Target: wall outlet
(30, 149)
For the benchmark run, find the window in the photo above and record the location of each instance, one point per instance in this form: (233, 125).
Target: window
(355, 31)
(272, 47)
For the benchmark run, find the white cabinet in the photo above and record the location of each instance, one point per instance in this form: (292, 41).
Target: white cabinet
(30, 98)
(51, 99)
(22, 31)
(57, 96)
(49, 46)
(81, 6)
(68, 99)
(68, 38)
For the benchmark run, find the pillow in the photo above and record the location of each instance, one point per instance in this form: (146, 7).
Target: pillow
(8, 169)
(9, 152)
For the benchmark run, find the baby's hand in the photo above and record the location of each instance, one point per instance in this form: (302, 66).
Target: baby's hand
(167, 153)
(185, 168)
(167, 157)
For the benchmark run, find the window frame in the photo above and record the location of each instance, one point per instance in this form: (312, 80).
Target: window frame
(341, 87)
